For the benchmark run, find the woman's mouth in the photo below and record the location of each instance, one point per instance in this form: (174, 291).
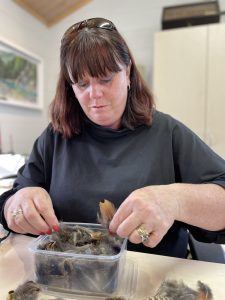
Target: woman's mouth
(99, 107)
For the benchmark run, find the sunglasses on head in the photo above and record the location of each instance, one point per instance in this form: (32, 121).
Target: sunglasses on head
(91, 23)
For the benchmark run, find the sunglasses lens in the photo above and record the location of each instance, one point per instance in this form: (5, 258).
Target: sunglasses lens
(90, 23)
(106, 25)
(100, 23)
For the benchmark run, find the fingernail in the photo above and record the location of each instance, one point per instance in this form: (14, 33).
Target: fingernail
(49, 231)
(55, 228)
(111, 233)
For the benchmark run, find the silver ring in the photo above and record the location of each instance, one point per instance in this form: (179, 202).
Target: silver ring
(143, 233)
(17, 212)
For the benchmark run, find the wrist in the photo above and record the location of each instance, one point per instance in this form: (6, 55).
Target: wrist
(174, 190)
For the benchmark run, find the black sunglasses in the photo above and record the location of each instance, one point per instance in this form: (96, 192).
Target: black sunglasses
(90, 23)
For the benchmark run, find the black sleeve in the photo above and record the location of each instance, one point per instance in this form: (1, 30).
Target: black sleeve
(36, 171)
(206, 236)
(195, 162)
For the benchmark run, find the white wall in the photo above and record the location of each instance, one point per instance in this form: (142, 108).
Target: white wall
(23, 124)
(136, 20)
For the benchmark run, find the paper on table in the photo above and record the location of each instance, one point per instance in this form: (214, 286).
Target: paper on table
(10, 164)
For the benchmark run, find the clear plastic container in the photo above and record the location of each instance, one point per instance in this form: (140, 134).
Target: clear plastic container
(127, 285)
(72, 273)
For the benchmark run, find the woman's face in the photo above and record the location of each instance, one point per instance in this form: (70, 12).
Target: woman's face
(103, 99)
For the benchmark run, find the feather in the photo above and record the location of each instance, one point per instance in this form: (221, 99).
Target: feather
(27, 291)
(177, 290)
(204, 291)
(107, 211)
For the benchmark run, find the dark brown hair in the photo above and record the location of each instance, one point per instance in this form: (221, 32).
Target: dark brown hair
(96, 51)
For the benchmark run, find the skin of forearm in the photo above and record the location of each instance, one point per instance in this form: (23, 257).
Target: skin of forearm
(201, 205)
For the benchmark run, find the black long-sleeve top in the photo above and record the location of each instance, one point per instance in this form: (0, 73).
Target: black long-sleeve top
(102, 163)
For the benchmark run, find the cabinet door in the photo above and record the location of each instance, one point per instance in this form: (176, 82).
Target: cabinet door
(216, 89)
(180, 75)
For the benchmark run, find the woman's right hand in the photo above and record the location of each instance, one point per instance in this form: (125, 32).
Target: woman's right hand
(30, 210)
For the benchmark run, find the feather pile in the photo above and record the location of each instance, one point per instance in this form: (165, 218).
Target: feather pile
(169, 290)
(27, 291)
(177, 290)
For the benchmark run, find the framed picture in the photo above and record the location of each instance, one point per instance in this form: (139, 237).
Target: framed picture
(21, 76)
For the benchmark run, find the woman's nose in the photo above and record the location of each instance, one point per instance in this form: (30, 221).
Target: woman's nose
(95, 91)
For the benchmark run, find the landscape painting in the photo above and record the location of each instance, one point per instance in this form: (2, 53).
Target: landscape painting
(19, 77)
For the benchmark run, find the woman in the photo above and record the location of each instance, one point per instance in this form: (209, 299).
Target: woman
(106, 140)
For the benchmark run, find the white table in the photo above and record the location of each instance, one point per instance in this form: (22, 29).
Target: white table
(16, 266)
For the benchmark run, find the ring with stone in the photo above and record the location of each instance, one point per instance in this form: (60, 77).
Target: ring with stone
(17, 212)
(143, 233)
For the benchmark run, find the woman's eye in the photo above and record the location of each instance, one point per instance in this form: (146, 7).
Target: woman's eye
(82, 84)
(106, 79)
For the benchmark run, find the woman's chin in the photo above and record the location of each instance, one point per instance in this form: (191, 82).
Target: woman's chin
(106, 123)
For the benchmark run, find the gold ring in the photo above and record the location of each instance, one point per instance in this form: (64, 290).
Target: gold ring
(143, 233)
(16, 212)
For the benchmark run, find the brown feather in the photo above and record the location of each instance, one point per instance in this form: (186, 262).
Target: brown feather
(204, 291)
(107, 211)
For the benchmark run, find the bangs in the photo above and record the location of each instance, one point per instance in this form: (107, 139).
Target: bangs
(93, 55)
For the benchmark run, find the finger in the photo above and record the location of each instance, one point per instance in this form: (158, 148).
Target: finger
(17, 229)
(135, 237)
(33, 217)
(45, 208)
(9, 210)
(21, 223)
(158, 233)
(14, 227)
(155, 236)
(121, 214)
(154, 239)
(128, 225)
(15, 221)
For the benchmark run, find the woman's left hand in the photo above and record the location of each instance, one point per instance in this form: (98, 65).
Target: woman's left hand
(154, 208)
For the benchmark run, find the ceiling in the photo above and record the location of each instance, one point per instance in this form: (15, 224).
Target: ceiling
(51, 12)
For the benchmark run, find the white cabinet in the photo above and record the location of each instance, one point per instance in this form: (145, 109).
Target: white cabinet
(189, 79)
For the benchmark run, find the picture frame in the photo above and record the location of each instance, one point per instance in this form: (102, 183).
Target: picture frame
(21, 77)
